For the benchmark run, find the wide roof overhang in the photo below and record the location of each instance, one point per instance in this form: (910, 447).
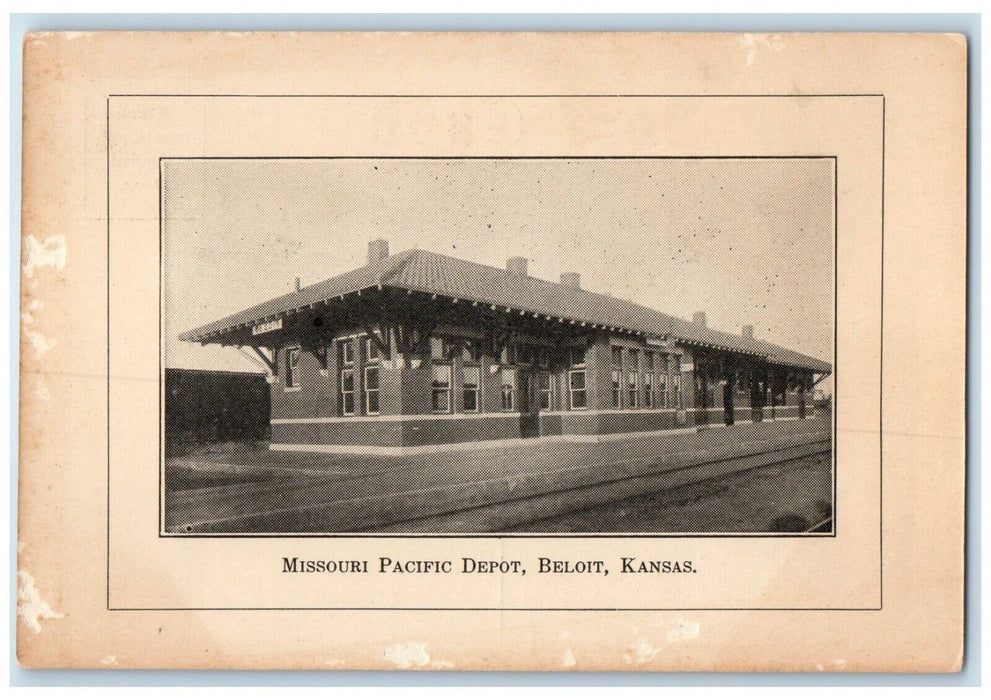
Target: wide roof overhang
(369, 304)
(415, 285)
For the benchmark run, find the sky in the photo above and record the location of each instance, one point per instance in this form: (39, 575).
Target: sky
(747, 241)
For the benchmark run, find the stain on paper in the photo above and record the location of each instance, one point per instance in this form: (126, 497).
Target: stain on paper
(40, 342)
(27, 316)
(753, 42)
(31, 608)
(408, 654)
(644, 651)
(50, 253)
(414, 655)
(41, 391)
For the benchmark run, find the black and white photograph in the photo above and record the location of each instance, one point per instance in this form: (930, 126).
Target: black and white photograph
(558, 345)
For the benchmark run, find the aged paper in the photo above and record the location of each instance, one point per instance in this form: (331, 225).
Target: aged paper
(493, 351)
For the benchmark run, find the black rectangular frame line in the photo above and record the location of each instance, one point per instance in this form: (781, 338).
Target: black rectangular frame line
(162, 534)
(536, 535)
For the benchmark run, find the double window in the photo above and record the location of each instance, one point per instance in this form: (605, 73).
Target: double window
(648, 390)
(292, 368)
(577, 391)
(471, 389)
(441, 388)
(617, 377)
(371, 371)
(545, 389)
(349, 388)
(347, 391)
(371, 390)
(662, 390)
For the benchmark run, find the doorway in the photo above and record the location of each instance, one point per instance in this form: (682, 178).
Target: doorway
(728, 390)
(529, 405)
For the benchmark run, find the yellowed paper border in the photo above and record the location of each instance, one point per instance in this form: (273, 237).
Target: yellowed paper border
(73, 85)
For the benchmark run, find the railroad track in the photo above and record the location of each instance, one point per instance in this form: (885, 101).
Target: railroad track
(688, 492)
(323, 505)
(527, 510)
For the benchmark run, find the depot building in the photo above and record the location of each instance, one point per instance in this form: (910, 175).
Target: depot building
(418, 349)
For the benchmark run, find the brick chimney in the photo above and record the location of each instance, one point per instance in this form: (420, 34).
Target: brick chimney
(571, 279)
(699, 319)
(516, 266)
(377, 250)
(748, 332)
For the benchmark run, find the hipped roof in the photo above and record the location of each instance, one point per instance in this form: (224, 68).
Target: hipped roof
(444, 275)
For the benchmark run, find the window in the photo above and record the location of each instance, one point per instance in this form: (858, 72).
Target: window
(441, 388)
(292, 368)
(576, 388)
(663, 364)
(662, 390)
(471, 391)
(648, 390)
(634, 355)
(371, 350)
(371, 390)
(633, 378)
(676, 391)
(546, 390)
(347, 351)
(617, 377)
(648, 357)
(617, 357)
(508, 390)
(577, 357)
(347, 392)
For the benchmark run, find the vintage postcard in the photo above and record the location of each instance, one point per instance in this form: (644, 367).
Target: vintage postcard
(493, 351)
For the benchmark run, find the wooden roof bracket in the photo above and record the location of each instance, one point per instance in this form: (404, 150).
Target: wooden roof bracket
(269, 361)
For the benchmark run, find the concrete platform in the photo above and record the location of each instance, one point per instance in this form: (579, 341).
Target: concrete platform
(430, 493)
